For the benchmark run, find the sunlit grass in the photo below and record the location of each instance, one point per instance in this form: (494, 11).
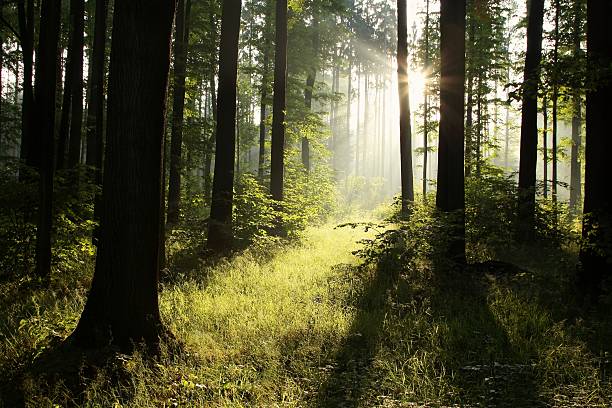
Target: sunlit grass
(304, 327)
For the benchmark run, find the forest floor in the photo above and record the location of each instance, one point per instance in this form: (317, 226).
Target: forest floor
(305, 326)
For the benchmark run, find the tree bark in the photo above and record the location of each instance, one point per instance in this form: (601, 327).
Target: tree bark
(122, 306)
(597, 228)
(404, 103)
(278, 120)
(43, 129)
(450, 196)
(529, 122)
(263, 114)
(220, 237)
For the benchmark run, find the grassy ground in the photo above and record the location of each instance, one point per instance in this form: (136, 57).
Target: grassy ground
(306, 327)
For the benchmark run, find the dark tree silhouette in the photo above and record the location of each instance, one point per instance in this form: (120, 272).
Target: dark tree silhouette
(278, 120)
(404, 103)
(122, 306)
(597, 227)
(43, 128)
(529, 121)
(450, 196)
(220, 236)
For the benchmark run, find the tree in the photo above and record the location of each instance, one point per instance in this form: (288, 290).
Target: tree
(263, 111)
(529, 121)
(95, 103)
(220, 225)
(181, 43)
(576, 166)
(122, 306)
(43, 129)
(25, 13)
(76, 118)
(597, 226)
(450, 195)
(404, 101)
(280, 85)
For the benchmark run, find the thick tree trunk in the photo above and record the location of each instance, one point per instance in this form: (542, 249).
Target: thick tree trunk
(181, 43)
(596, 263)
(43, 129)
(76, 118)
(278, 120)
(529, 122)
(122, 306)
(220, 236)
(404, 103)
(450, 195)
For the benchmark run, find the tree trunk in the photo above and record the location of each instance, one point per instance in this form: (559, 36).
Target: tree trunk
(404, 103)
(181, 43)
(555, 100)
(95, 105)
(64, 126)
(220, 236)
(426, 104)
(43, 129)
(122, 306)
(278, 120)
(28, 148)
(263, 114)
(529, 122)
(469, 125)
(545, 143)
(450, 196)
(77, 8)
(595, 254)
(575, 179)
(308, 90)
(210, 145)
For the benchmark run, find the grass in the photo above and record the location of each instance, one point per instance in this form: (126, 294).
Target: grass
(305, 326)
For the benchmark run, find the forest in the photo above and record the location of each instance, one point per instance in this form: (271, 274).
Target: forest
(305, 203)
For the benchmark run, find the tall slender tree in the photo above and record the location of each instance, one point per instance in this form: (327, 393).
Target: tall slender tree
(220, 236)
(280, 85)
(43, 129)
(25, 13)
(77, 9)
(450, 196)
(404, 102)
(576, 166)
(122, 306)
(529, 121)
(95, 103)
(181, 44)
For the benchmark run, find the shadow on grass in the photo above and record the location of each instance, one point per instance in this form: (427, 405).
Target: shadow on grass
(428, 338)
(351, 370)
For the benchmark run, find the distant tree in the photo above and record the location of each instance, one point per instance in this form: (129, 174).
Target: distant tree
(596, 262)
(122, 306)
(43, 128)
(529, 121)
(280, 85)
(220, 236)
(404, 103)
(181, 44)
(450, 195)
